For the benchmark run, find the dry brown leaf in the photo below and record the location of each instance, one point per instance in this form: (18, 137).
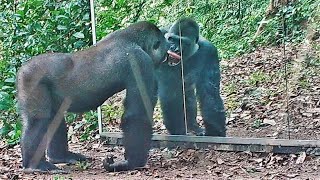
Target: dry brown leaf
(259, 160)
(301, 158)
(269, 122)
(220, 161)
(291, 175)
(313, 110)
(226, 175)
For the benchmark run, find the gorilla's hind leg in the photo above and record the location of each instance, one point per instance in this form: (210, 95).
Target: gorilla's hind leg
(136, 124)
(33, 146)
(36, 110)
(58, 148)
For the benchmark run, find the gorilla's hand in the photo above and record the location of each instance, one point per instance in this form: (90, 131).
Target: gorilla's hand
(111, 166)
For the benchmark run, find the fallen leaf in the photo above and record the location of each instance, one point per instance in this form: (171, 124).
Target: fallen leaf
(220, 161)
(314, 110)
(291, 175)
(270, 122)
(226, 175)
(301, 158)
(259, 160)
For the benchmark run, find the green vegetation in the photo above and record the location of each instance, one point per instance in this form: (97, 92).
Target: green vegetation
(32, 27)
(257, 123)
(83, 165)
(60, 177)
(258, 77)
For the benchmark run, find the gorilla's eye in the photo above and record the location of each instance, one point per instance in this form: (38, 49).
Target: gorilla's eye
(170, 39)
(156, 45)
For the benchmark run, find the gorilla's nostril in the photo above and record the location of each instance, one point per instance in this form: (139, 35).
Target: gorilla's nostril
(172, 47)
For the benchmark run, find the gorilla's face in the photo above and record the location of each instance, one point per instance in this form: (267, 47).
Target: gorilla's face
(159, 48)
(181, 47)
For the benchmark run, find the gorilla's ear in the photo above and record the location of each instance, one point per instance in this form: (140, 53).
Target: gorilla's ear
(163, 30)
(156, 45)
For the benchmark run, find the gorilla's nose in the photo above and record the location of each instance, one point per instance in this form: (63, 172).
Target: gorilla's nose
(172, 47)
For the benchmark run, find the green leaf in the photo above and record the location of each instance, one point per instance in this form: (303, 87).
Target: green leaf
(61, 16)
(78, 35)
(6, 87)
(77, 126)
(5, 101)
(10, 80)
(60, 27)
(86, 16)
(79, 44)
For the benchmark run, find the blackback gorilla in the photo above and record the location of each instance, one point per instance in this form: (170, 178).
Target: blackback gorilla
(202, 80)
(50, 84)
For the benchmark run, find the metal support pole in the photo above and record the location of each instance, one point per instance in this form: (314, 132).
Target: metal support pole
(94, 42)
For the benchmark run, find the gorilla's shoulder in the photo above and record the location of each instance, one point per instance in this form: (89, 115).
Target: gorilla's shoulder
(204, 42)
(207, 47)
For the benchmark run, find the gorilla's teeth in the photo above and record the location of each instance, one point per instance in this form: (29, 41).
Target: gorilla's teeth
(171, 63)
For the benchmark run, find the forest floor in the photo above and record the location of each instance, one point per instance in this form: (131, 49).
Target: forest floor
(255, 96)
(202, 164)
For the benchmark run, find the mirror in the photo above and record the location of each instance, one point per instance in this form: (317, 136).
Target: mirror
(269, 70)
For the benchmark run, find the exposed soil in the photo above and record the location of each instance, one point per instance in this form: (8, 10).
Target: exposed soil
(174, 164)
(254, 91)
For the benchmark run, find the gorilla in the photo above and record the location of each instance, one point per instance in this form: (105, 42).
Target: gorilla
(50, 84)
(201, 77)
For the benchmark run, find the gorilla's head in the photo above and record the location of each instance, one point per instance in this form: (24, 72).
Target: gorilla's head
(150, 38)
(183, 37)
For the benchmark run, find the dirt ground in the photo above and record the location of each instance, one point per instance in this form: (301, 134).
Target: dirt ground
(174, 164)
(255, 96)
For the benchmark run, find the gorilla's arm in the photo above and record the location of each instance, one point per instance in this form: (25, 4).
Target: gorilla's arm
(208, 93)
(191, 107)
(172, 109)
(136, 121)
(171, 101)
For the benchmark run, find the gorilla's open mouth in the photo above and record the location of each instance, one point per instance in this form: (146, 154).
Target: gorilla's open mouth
(173, 58)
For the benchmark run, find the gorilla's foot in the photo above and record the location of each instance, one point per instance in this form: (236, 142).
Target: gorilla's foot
(45, 167)
(217, 133)
(196, 130)
(111, 166)
(215, 130)
(69, 157)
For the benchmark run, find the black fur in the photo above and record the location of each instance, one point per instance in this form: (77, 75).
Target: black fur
(50, 84)
(202, 82)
